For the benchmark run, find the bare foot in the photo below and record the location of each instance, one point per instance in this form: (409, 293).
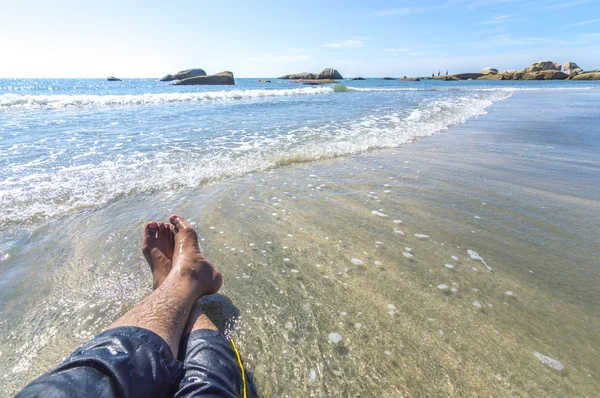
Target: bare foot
(157, 247)
(189, 263)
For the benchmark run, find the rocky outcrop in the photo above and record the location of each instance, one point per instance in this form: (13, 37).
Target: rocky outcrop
(264, 81)
(489, 71)
(492, 76)
(542, 66)
(570, 67)
(450, 79)
(588, 76)
(545, 75)
(467, 76)
(113, 79)
(222, 78)
(327, 73)
(184, 74)
(358, 78)
(296, 76)
(411, 79)
(388, 78)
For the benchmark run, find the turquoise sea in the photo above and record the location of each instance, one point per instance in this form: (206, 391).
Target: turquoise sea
(446, 231)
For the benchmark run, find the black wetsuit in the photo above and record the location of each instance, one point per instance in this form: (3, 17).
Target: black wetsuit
(135, 362)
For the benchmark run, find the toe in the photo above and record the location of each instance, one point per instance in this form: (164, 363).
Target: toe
(151, 228)
(179, 223)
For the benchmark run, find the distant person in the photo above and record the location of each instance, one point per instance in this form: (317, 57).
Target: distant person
(137, 355)
(433, 74)
(446, 72)
(439, 72)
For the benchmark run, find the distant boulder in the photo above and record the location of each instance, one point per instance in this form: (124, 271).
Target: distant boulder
(388, 78)
(542, 66)
(545, 75)
(329, 73)
(358, 78)
(113, 79)
(411, 79)
(467, 76)
(489, 71)
(222, 78)
(296, 76)
(492, 76)
(588, 76)
(592, 71)
(570, 67)
(184, 74)
(264, 81)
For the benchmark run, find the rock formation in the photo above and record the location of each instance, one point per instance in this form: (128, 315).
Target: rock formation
(264, 81)
(222, 78)
(358, 78)
(570, 67)
(388, 78)
(327, 73)
(113, 79)
(489, 71)
(545, 75)
(184, 74)
(542, 66)
(492, 76)
(588, 76)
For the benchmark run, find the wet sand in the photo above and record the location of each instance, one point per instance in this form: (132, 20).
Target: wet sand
(439, 268)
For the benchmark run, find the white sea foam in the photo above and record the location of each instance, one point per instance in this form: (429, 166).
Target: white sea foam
(31, 102)
(53, 191)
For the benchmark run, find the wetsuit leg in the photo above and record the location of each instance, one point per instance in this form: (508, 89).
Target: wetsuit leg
(211, 367)
(120, 362)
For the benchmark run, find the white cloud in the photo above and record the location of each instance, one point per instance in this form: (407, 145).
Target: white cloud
(345, 44)
(497, 20)
(589, 21)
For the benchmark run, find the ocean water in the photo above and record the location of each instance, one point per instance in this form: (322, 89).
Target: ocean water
(396, 238)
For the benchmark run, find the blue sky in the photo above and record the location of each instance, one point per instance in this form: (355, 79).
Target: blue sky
(268, 38)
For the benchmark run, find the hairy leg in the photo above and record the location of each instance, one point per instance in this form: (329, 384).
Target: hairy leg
(167, 309)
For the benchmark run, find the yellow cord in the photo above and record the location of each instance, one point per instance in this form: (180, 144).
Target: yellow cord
(239, 359)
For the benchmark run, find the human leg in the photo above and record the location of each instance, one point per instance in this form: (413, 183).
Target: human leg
(166, 310)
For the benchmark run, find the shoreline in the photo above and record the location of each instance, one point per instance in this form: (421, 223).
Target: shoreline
(311, 249)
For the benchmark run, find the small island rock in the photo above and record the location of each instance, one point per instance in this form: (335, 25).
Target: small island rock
(329, 73)
(358, 78)
(222, 78)
(184, 74)
(388, 78)
(543, 66)
(570, 67)
(296, 76)
(113, 79)
(489, 71)
(587, 76)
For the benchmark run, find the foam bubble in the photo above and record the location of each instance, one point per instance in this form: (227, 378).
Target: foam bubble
(378, 213)
(553, 363)
(334, 337)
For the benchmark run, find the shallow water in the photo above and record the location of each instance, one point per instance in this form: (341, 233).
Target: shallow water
(356, 249)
